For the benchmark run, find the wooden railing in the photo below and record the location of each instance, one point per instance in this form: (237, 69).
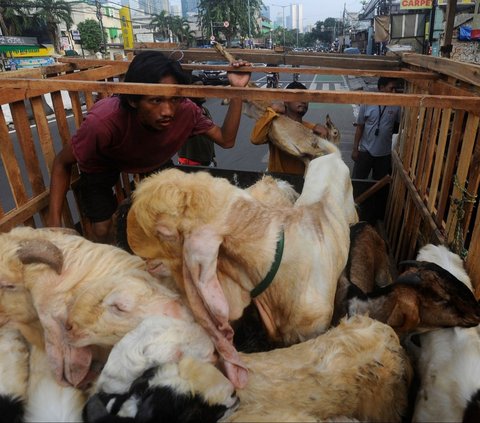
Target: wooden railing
(436, 162)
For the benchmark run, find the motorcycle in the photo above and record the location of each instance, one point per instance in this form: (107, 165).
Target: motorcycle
(273, 79)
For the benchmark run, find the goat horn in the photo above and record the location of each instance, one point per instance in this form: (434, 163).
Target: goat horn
(409, 278)
(41, 251)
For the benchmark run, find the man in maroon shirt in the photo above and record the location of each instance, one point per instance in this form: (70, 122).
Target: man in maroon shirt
(135, 134)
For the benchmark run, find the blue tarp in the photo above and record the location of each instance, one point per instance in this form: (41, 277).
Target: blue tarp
(465, 33)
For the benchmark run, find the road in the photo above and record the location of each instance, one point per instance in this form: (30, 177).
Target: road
(245, 155)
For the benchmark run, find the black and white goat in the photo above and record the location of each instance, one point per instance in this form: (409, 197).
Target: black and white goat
(448, 359)
(164, 370)
(424, 297)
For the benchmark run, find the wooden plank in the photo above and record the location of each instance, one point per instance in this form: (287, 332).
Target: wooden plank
(274, 58)
(461, 174)
(96, 74)
(10, 163)
(43, 131)
(76, 108)
(417, 143)
(430, 153)
(473, 263)
(61, 116)
(413, 194)
(441, 87)
(25, 139)
(425, 139)
(449, 168)
(466, 72)
(439, 158)
(320, 69)
(408, 141)
(473, 182)
(23, 213)
(89, 100)
(29, 86)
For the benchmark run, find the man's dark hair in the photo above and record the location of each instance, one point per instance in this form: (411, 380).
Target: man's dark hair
(383, 81)
(295, 85)
(149, 67)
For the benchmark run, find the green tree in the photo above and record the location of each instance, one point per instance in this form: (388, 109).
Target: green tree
(161, 24)
(53, 12)
(13, 17)
(212, 14)
(183, 31)
(91, 34)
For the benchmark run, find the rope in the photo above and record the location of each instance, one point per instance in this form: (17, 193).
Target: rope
(458, 243)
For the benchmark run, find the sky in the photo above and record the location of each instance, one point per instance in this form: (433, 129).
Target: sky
(315, 10)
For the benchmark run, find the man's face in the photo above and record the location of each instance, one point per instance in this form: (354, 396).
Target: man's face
(157, 112)
(298, 108)
(391, 87)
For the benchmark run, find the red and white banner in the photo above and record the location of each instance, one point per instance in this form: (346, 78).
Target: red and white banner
(415, 4)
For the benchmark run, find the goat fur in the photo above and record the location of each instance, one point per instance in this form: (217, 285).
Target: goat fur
(448, 359)
(218, 242)
(100, 293)
(335, 374)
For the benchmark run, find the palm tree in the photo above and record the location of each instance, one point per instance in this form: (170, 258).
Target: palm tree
(52, 12)
(13, 18)
(161, 23)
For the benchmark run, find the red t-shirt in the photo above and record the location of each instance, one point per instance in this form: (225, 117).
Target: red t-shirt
(111, 138)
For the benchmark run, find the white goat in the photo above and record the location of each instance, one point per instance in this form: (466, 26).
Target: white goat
(449, 359)
(357, 370)
(220, 242)
(73, 293)
(27, 387)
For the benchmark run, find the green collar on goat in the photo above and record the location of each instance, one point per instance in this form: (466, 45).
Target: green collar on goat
(267, 280)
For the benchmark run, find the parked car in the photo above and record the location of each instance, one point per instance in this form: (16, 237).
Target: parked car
(351, 50)
(212, 77)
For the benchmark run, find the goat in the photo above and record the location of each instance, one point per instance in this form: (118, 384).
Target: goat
(219, 242)
(14, 355)
(335, 374)
(75, 294)
(368, 266)
(448, 359)
(423, 298)
(27, 389)
(288, 135)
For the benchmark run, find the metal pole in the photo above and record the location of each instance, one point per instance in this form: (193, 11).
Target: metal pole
(249, 27)
(99, 17)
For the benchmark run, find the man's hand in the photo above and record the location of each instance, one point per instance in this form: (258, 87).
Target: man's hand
(355, 154)
(239, 79)
(278, 107)
(320, 130)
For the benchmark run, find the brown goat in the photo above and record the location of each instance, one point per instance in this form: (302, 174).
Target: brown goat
(424, 297)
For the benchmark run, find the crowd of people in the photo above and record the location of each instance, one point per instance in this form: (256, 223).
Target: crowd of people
(142, 133)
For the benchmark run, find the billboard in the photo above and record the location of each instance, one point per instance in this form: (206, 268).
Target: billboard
(415, 4)
(127, 30)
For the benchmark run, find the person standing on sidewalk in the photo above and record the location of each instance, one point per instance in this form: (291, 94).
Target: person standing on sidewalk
(375, 125)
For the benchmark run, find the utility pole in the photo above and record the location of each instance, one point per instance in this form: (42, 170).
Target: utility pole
(283, 19)
(249, 26)
(100, 21)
